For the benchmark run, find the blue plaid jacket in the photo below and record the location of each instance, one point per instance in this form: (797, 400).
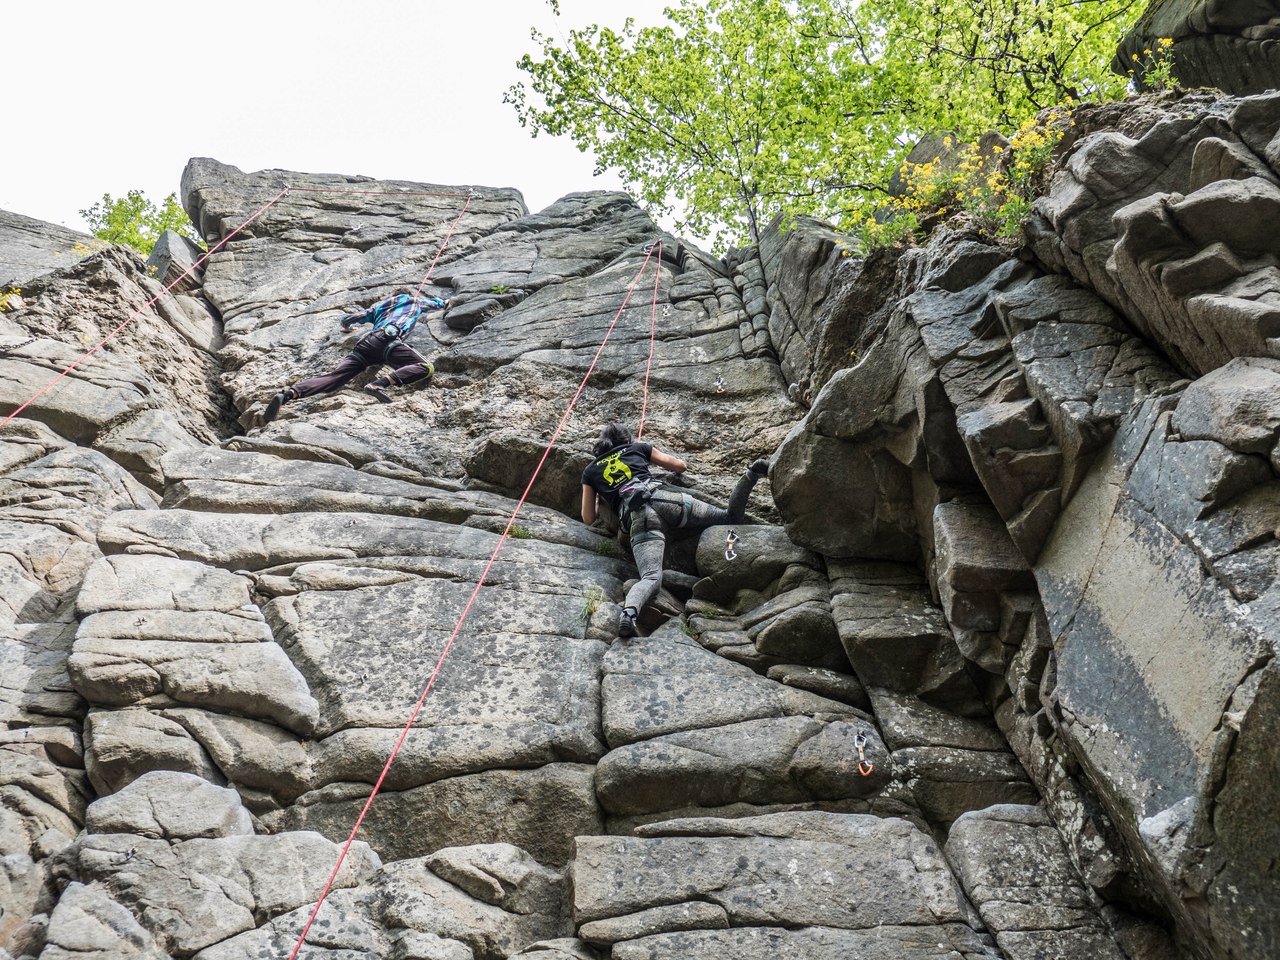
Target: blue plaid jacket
(395, 316)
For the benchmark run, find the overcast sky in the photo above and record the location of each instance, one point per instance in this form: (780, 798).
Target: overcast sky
(113, 96)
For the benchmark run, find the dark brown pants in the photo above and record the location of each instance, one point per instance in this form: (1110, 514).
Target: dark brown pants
(371, 350)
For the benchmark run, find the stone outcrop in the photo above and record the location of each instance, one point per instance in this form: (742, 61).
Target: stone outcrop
(1227, 44)
(30, 248)
(1095, 528)
(990, 676)
(531, 298)
(1154, 209)
(771, 886)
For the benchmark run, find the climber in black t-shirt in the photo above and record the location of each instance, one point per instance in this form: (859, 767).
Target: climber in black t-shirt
(647, 509)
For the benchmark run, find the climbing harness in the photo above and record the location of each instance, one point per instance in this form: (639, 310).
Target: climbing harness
(635, 494)
(729, 541)
(865, 766)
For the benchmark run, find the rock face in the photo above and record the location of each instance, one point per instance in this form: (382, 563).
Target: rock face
(1095, 528)
(30, 248)
(1152, 211)
(1227, 44)
(992, 676)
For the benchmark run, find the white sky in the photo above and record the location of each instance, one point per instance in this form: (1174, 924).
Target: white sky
(113, 96)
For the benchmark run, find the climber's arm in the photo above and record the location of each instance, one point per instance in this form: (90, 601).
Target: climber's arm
(671, 462)
(361, 316)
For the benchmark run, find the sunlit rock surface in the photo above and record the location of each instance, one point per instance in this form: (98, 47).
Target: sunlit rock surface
(992, 676)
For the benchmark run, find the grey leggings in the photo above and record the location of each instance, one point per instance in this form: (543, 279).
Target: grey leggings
(671, 510)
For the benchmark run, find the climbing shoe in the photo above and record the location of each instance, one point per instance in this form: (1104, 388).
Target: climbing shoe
(627, 622)
(274, 405)
(378, 392)
(760, 467)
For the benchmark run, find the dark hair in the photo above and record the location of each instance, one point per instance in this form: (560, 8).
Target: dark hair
(613, 435)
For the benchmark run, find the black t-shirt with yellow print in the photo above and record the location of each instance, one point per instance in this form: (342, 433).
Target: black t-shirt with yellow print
(616, 468)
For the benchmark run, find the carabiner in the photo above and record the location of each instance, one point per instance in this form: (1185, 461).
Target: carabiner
(865, 766)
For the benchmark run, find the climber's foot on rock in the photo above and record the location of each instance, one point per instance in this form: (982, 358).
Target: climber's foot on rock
(273, 406)
(627, 622)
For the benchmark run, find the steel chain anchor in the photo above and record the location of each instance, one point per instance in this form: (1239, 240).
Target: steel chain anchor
(865, 766)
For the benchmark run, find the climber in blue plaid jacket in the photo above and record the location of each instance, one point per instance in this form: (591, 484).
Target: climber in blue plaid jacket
(393, 319)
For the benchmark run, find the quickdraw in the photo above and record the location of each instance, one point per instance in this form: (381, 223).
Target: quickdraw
(729, 541)
(719, 384)
(865, 766)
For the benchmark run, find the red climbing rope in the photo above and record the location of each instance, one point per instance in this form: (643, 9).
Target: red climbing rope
(653, 327)
(467, 609)
(443, 244)
(379, 193)
(129, 319)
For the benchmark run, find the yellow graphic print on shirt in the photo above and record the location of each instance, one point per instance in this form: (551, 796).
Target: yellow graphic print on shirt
(615, 471)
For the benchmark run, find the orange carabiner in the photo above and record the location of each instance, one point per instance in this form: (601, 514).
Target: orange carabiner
(865, 766)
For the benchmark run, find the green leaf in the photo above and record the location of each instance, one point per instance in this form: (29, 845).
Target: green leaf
(733, 112)
(134, 221)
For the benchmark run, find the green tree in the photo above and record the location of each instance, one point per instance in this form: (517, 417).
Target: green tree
(710, 116)
(736, 110)
(135, 221)
(974, 66)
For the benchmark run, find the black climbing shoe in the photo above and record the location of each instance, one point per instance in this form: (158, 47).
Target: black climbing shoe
(273, 406)
(376, 391)
(627, 622)
(760, 467)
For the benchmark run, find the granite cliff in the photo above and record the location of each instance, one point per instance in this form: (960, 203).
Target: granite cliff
(1019, 560)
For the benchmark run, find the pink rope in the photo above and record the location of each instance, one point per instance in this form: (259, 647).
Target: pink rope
(444, 244)
(465, 611)
(653, 326)
(378, 193)
(129, 319)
